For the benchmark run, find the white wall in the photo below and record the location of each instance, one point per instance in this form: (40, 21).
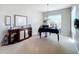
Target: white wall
(34, 16)
(65, 22)
(77, 11)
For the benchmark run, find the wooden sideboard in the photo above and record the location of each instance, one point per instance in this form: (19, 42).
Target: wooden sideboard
(20, 34)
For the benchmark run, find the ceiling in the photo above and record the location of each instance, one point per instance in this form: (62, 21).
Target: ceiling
(51, 7)
(38, 7)
(47, 7)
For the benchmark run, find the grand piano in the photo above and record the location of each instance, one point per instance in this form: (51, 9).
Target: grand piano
(46, 28)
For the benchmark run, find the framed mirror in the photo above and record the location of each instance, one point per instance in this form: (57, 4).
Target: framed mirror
(20, 20)
(8, 20)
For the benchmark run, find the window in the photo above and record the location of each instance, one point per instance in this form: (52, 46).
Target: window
(55, 20)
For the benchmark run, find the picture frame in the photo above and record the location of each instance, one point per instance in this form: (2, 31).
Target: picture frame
(8, 20)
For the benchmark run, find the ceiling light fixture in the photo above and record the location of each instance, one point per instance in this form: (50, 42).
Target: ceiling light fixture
(46, 17)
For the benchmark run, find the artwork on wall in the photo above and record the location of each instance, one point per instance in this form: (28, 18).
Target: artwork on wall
(8, 20)
(20, 20)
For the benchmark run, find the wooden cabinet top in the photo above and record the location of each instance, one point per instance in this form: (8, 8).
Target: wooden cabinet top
(29, 28)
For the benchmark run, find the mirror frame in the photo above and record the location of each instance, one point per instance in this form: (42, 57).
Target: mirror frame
(16, 19)
(8, 21)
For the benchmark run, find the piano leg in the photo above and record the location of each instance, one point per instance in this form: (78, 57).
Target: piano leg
(58, 37)
(45, 34)
(40, 34)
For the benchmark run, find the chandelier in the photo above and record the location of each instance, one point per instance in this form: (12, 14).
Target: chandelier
(46, 17)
